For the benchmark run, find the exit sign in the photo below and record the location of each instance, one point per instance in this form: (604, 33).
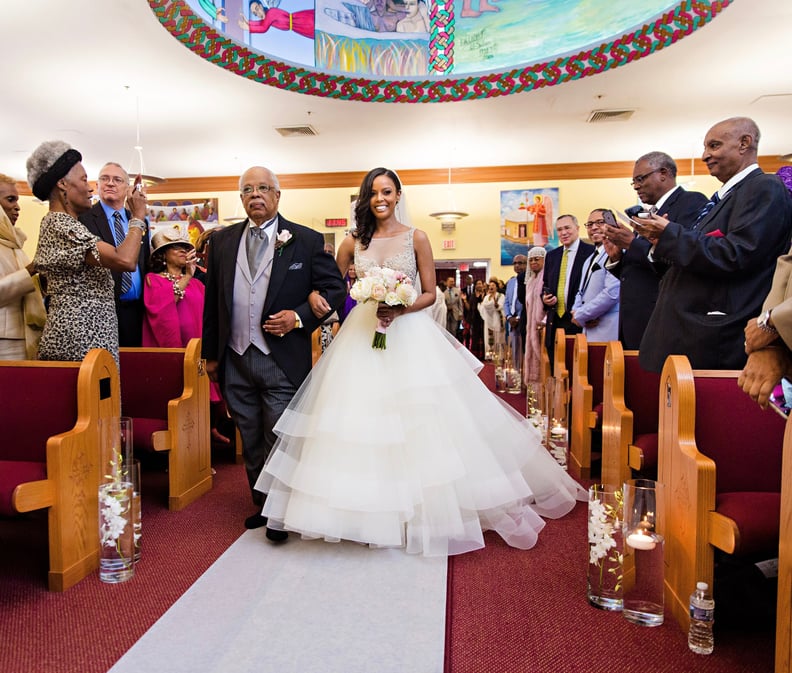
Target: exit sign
(449, 244)
(336, 222)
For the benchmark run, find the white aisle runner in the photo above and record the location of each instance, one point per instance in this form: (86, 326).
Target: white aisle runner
(302, 607)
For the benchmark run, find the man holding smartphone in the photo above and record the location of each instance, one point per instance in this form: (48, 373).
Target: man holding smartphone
(654, 181)
(720, 267)
(109, 220)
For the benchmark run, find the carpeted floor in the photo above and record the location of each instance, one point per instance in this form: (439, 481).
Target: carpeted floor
(508, 610)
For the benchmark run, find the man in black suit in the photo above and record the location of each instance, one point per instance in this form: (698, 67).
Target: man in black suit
(721, 268)
(257, 319)
(654, 179)
(576, 252)
(101, 220)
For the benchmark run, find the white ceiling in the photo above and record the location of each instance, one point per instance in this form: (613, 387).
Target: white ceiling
(76, 69)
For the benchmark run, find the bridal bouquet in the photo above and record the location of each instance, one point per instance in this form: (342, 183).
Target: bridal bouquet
(385, 286)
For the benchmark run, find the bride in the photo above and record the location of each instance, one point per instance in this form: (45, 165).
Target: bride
(421, 454)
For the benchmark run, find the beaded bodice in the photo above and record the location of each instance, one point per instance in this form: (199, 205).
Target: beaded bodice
(396, 252)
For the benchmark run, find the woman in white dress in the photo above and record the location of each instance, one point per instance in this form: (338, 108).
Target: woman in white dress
(491, 310)
(427, 457)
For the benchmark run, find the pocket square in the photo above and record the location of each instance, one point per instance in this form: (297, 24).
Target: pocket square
(715, 234)
(296, 266)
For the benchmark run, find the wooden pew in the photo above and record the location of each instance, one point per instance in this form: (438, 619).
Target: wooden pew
(720, 461)
(49, 452)
(166, 393)
(783, 651)
(630, 398)
(586, 413)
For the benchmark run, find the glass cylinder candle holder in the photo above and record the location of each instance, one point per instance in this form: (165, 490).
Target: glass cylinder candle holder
(643, 552)
(116, 497)
(556, 404)
(605, 509)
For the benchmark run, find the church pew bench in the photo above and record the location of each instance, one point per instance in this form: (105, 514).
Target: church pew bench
(49, 453)
(166, 393)
(720, 461)
(586, 413)
(630, 399)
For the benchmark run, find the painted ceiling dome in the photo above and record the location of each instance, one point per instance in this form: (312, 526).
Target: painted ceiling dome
(426, 50)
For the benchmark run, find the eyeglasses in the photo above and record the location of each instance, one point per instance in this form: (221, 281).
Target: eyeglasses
(638, 180)
(116, 180)
(247, 190)
(593, 222)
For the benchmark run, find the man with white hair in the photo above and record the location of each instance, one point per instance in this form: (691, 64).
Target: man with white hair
(109, 219)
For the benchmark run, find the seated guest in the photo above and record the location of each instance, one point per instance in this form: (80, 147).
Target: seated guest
(22, 313)
(349, 304)
(719, 273)
(596, 307)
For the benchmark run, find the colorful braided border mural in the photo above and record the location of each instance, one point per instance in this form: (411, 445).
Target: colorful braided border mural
(355, 50)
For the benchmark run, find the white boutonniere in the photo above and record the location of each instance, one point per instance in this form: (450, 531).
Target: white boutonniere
(282, 239)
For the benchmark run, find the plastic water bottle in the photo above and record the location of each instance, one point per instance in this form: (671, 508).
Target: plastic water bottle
(702, 616)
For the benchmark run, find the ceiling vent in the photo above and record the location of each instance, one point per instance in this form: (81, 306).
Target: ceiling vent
(597, 116)
(299, 131)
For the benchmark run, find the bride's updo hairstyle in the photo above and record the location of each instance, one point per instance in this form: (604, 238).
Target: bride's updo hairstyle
(365, 222)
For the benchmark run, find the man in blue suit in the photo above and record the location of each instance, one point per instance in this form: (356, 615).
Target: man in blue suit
(721, 268)
(654, 180)
(596, 307)
(257, 319)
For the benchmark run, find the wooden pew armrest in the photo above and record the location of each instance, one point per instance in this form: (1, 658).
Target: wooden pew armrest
(723, 532)
(635, 457)
(34, 495)
(161, 440)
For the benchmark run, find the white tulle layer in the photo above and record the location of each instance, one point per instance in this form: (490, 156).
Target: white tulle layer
(406, 447)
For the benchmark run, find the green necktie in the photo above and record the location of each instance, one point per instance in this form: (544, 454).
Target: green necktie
(560, 293)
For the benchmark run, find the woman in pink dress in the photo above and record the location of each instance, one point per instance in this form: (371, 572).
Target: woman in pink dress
(174, 301)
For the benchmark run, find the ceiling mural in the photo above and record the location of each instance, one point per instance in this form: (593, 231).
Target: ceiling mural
(419, 51)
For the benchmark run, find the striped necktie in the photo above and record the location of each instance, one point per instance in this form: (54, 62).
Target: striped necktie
(561, 291)
(708, 206)
(118, 227)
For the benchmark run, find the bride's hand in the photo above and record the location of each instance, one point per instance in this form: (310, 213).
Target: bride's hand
(318, 304)
(387, 314)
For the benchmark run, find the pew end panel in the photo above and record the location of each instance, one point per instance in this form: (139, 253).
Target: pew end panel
(69, 490)
(166, 393)
(617, 419)
(587, 397)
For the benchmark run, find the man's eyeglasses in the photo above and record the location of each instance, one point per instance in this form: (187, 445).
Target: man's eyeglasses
(116, 180)
(593, 222)
(247, 190)
(638, 180)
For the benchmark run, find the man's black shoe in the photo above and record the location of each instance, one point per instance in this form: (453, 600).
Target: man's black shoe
(255, 521)
(277, 535)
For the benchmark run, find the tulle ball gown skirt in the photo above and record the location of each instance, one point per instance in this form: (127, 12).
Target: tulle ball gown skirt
(406, 447)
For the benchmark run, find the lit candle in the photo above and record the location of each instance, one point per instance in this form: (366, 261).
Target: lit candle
(558, 432)
(641, 540)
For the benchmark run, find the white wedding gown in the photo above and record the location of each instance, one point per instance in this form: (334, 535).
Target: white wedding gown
(406, 446)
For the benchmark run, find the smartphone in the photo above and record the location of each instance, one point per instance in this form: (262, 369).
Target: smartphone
(138, 187)
(637, 211)
(610, 220)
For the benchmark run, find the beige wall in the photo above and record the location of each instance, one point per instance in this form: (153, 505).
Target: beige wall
(476, 236)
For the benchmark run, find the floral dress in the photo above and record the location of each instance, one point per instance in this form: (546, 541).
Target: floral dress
(81, 313)
(423, 455)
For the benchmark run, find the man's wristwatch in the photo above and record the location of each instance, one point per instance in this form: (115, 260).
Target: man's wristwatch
(763, 323)
(297, 322)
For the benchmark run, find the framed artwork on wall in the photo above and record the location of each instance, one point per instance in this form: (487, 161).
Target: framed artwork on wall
(190, 216)
(527, 218)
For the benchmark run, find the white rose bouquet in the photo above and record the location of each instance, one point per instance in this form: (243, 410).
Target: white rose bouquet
(386, 286)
